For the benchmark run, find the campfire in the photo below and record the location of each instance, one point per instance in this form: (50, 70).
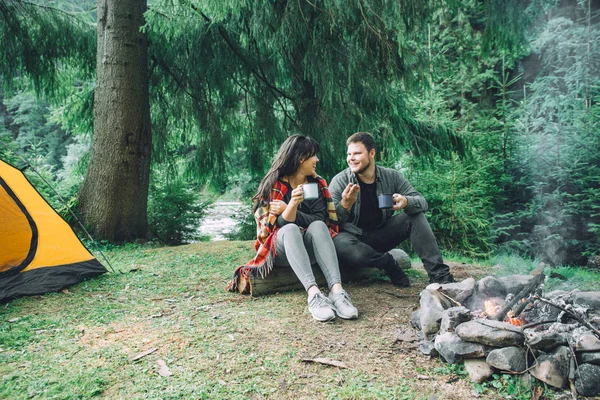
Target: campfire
(510, 325)
(492, 308)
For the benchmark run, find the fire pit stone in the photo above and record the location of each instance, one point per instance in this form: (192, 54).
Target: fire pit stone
(546, 341)
(491, 333)
(514, 283)
(509, 324)
(584, 340)
(453, 349)
(490, 286)
(510, 358)
(553, 368)
(587, 380)
(453, 317)
(478, 370)
(458, 291)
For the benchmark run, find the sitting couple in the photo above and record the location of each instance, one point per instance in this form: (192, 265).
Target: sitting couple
(346, 224)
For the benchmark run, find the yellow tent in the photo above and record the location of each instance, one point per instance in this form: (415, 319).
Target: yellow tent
(39, 252)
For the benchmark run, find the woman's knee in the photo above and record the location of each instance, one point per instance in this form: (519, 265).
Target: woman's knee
(317, 226)
(289, 231)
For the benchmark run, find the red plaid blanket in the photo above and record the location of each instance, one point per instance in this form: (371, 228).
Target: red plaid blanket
(266, 236)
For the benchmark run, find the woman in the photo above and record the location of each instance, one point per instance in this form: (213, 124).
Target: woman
(296, 232)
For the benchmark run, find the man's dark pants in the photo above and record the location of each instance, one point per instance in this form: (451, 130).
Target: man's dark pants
(370, 248)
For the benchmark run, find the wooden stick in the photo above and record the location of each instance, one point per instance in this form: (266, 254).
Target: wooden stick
(571, 314)
(523, 294)
(449, 298)
(534, 324)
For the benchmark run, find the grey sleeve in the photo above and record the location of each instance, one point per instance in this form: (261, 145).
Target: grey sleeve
(336, 188)
(416, 201)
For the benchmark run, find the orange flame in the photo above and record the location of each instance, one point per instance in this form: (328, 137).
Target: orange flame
(512, 320)
(489, 307)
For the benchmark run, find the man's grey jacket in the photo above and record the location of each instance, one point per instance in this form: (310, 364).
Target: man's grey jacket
(389, 181)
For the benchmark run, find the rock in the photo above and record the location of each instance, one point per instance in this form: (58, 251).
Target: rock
(589, 358)
(511, 358)
(587, 299)
(415, 319)
(546, 340)
(515, 283)
(587, 380)
(556, 294)
(490, 286)
(478, 370)
(491, 333)
(453, 317)
(433, 305)
(401, 258)
(458, 291)
(587, 342)
(427, 347)
(453, 349)
(553, 368)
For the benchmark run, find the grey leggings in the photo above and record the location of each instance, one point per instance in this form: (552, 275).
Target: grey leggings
(300, 251)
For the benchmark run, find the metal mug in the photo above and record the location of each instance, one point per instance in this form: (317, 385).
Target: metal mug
(385, 201)
(310, 191)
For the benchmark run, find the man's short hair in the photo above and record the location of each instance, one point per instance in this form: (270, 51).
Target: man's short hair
(362, 137)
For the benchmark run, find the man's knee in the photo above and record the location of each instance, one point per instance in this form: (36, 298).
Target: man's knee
(344, 240)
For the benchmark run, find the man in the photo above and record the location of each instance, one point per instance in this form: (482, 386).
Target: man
(368, 232)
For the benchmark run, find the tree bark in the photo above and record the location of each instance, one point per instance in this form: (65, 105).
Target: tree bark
(114, 196)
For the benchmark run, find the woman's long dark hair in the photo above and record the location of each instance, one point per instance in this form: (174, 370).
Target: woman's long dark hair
(292, 152)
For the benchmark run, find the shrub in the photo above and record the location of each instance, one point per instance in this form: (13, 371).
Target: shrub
(175, 212)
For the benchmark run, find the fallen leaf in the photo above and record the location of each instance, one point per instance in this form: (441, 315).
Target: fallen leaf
(163, 370)
(326, 361)
(144, 354)
(66, 291)
(13, 320)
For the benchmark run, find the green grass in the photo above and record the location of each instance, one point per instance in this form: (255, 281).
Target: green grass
(81, 343)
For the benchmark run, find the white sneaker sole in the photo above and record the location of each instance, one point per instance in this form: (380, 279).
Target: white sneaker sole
(323, 319)
(339, 314)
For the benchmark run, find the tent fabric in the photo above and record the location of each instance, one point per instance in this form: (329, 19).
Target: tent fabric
(39, 252)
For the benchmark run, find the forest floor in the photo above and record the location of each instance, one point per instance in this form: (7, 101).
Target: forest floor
(164, 327)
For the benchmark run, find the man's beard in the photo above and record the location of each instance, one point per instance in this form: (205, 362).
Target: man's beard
(363, 169)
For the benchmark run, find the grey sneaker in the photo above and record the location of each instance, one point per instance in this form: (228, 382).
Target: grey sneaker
(321, 307)
(342, 305)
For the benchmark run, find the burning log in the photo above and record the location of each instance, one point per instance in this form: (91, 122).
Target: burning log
(523, 294)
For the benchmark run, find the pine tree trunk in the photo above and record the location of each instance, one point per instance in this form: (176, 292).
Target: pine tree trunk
(114, 195)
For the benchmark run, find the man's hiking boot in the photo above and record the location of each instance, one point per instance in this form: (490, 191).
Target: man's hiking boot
(396, 274)
(321, 307)
(441, 274)
(442, 279)
(342, 305)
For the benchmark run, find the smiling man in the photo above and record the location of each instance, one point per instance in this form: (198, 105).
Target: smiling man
(369, 232)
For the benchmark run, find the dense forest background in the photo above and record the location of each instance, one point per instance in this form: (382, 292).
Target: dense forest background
(490, 108)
